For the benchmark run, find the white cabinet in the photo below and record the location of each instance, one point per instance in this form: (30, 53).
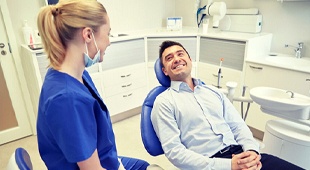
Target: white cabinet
(208, 73)
(210, 54)
(263, 75)
(35, 64)
(125, 88)
(120, 79)
(123, 75)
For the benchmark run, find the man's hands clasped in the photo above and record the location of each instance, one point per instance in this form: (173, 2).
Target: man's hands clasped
(248, 160)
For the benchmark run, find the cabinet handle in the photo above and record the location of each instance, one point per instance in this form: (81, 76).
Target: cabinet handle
(215, 75)
(258, 68)
(127, 95)
(126, 85)
(123, 76)
(307, 79)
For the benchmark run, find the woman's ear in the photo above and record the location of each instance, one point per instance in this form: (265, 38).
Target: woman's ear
(86, 33)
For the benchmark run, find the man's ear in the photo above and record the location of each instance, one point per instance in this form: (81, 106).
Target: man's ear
(86, 33)
(164, 71)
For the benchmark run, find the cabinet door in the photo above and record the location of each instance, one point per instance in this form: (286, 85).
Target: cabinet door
(208, 73)
(262, 75)
(153, 43)
(212, 50)
(124, 53)
(126, 100)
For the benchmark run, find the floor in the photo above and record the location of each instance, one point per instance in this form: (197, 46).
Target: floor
(128, 141)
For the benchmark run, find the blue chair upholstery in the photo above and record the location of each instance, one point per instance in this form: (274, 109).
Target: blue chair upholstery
(149, 137)
(20, 160)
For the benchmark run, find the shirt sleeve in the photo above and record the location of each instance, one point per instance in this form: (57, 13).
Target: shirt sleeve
(239, 128)
(167, 130)
(70, 118)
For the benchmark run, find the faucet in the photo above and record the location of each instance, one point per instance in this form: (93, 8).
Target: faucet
(292, 93)
(297, 49)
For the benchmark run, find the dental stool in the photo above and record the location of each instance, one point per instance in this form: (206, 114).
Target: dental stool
(20, 160)
(149, 137)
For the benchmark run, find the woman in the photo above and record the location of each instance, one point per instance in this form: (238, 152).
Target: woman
(74, 128)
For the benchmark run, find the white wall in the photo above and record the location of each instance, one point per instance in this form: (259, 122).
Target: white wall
(130, 15)
(288, 21)
(125, 15)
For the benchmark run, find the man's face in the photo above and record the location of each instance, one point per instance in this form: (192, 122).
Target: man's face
(177, 64)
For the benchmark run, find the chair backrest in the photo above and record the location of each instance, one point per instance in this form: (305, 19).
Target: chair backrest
(149, 137)
(19, 160)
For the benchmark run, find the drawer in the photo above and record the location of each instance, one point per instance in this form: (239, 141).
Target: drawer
(124, 75)
(126, 101)
(126, 86)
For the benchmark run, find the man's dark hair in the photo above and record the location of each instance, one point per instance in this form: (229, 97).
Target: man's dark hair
(167, 44)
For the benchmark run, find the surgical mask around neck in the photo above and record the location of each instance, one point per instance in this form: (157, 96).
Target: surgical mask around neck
(87, 60)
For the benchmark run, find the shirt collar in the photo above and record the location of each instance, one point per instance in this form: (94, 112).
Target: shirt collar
(179, 85)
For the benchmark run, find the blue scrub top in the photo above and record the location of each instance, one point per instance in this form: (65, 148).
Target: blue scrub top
(72, 122)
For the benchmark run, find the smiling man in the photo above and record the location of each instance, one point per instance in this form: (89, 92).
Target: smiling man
(197, 125)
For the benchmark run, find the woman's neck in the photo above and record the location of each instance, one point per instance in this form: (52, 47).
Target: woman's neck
(73, 64)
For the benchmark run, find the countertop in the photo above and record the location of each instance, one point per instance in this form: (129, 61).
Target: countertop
(265, 60)
(212, 33)
(185, 32)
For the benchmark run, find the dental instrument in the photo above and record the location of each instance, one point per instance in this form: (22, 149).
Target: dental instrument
(219, 74)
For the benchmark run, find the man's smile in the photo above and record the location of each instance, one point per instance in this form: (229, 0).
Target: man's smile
(178, 66)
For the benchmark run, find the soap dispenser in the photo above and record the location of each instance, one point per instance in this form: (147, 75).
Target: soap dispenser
(28, 34)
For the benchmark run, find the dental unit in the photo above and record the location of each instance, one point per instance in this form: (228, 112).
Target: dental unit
(216, 10)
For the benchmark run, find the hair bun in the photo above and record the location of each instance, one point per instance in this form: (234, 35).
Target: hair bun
(56, 11)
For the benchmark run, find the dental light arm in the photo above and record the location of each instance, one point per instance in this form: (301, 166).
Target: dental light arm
(217, 10)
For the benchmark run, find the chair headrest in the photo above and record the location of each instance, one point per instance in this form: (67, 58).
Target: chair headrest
(161, 77)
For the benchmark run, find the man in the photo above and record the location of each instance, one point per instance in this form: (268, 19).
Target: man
(197, 125)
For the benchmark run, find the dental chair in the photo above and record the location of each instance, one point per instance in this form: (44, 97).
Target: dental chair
(149, 137)
(20, 160)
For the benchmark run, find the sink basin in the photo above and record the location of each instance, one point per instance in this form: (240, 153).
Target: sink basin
(280, 102)
(289, 61)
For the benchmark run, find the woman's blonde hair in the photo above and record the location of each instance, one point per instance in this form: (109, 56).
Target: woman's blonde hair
(58, 24)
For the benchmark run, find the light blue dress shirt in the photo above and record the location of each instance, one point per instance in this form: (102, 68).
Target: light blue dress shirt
(193, 125)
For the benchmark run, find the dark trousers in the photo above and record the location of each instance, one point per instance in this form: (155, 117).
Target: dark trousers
(269, 162)
(133, 163)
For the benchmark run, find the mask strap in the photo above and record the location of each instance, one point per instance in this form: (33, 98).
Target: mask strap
(86, 48)
(94, 40)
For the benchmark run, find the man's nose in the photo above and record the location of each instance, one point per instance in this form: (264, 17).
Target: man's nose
(176, 59)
